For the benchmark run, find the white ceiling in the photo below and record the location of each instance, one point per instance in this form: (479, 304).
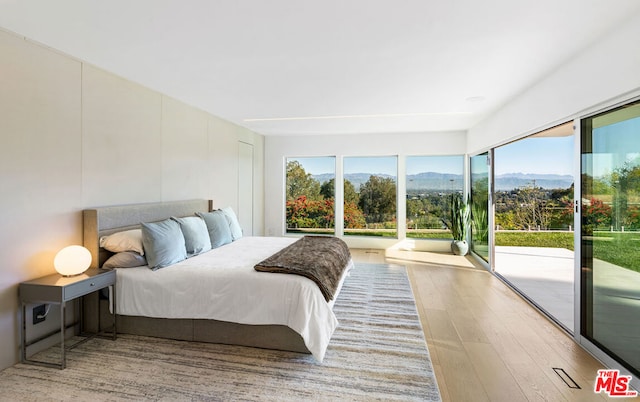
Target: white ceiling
(295, 67)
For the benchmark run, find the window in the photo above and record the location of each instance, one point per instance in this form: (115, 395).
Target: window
(431, 182)
(370, 195)
(310, 187)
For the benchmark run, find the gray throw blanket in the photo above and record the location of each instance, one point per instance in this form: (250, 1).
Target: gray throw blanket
(320, 258)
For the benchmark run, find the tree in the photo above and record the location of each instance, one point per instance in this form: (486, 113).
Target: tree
(423, 214)
(353, 217)
(300, 183)
(305, 213)
(531, 211)
(506, 220)
(378, 199)
(350, 193)
(327, 190)
(625, 185)
(595, 214)
(561, 207)
(415, 209)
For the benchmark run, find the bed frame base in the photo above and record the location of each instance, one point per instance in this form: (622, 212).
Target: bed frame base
(276, 337)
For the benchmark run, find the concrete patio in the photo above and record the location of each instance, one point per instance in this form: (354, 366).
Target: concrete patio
(545, 275)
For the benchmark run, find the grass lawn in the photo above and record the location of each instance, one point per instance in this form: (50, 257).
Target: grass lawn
(429, 235)
(535, 239)
(618, 248)
(373, 233)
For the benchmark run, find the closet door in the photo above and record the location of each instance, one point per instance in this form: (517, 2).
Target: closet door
(245, 187)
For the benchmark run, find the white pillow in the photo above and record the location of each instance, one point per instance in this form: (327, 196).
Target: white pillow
(234, 225)
(128, 240)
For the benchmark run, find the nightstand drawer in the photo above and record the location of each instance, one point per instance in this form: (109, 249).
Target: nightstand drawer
(89, 285)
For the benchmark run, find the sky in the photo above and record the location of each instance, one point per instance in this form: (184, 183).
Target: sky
(378, 164)
(384, 164)
(553, 155)
(540, 155)
(317, 165)
(440, 164)
(536, 155)
(612, 147)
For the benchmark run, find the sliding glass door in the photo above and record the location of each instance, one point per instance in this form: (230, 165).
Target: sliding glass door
(533, 193)
(610, 240)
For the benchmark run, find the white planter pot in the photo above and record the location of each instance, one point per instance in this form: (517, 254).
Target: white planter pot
(459, 247)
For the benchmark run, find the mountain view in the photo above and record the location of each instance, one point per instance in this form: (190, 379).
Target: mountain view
(443, 181)
(509, 181)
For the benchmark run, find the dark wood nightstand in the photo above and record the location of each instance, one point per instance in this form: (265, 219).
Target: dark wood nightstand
(58, 289)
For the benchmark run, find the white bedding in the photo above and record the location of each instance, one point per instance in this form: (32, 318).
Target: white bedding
(228, 288)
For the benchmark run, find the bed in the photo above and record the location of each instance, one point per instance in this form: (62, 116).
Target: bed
(216, 296)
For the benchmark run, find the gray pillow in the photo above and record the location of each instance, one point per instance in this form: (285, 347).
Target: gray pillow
(218, 227)
(196, 234)
(163, 243)
(125, 259)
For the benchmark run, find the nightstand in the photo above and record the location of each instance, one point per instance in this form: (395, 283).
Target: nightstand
(57, 289)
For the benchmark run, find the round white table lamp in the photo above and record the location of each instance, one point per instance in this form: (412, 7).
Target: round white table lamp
(72, 260)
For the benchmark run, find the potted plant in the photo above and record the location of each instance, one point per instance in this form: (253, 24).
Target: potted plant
(460, 216)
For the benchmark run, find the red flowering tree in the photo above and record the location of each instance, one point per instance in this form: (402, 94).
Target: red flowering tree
(305, 213)
(595, 214)
(633, 217)
(353, 216)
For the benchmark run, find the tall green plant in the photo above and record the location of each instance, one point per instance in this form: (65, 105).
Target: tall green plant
(480, 224)
(460, 215)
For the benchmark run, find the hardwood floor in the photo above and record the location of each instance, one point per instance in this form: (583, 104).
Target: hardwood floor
(486, 343)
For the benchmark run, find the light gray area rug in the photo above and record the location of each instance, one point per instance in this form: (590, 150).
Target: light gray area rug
(378, 352)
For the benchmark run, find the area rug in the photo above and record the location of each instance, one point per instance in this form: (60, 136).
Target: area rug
(378, 352)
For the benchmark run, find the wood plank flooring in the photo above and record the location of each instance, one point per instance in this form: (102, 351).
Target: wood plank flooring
(486, 342)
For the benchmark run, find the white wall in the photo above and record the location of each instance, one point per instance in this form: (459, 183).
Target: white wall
(278, 148)
(606, 72)
(72, 137)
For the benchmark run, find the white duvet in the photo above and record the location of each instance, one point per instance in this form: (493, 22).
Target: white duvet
(223, 285)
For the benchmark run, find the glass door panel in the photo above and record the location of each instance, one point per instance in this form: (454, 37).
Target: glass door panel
(480, 205)
(610, 259)
(533, 193)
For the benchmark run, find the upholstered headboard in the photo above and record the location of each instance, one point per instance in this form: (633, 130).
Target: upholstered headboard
(103, 221)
